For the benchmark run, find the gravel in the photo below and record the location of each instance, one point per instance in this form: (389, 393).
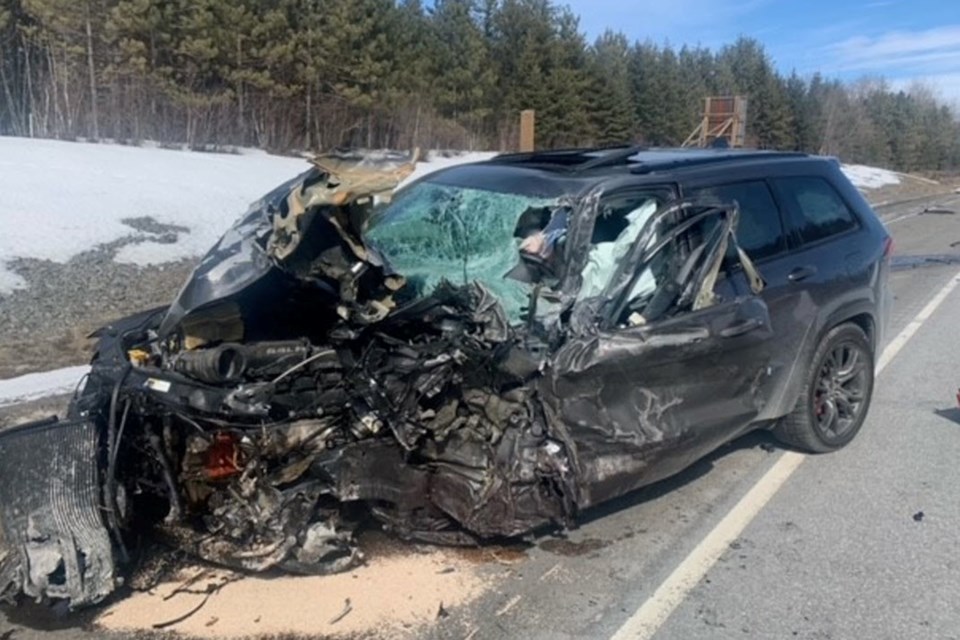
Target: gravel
(44, 325)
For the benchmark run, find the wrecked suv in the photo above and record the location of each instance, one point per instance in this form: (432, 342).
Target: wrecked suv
(486, 351)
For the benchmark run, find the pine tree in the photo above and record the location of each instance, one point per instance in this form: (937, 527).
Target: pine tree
(769, 122)
(522, 34)
(566, 112)
(648, 107)
(464, 75)
(613, 111)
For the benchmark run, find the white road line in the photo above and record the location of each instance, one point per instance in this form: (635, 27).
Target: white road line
(655, 611)
(905, 216)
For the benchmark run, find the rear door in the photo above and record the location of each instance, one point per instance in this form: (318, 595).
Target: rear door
(823, 226)
(828, 274)
(763, 232)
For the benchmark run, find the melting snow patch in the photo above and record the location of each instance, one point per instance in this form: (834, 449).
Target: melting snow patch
(38, 385)
(864, 177)
(9, 280)
(63, 198)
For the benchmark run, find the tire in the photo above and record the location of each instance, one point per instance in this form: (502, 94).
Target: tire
(836, 393)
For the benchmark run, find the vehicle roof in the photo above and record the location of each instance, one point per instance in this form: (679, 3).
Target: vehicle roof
(569, 171)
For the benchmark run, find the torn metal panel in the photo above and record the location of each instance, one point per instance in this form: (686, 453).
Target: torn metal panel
(350, 188)
(645, 402)
(58, 545)
(273, 228)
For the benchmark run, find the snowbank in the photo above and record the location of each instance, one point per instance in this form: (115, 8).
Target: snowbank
(38, 385)
(63, 198)
(864, 177)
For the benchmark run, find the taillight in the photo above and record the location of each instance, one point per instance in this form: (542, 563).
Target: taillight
(888, 247)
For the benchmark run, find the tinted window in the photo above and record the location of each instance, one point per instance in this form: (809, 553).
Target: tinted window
(759, 231)
(817, 210)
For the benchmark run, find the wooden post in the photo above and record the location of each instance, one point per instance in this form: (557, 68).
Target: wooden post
(527, 130)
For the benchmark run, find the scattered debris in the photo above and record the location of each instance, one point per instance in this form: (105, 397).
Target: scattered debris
(918, 516)
(899, 263)
(396, 588)
(211, 589)
(441, 612)
(565, 547)
(510, 605)
(939, 210)
(212, 621)
(347, 608)
(182, 588)
(549, 572)
(769, 447)
(186, 616)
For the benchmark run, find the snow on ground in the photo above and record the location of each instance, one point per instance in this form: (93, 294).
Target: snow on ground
(62, 198)
(864, 177)
(39, 385)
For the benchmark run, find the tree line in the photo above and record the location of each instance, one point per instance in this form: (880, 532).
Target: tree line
(319, 74)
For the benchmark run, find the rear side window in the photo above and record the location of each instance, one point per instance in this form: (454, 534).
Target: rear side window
(816, 209)
(759, 230)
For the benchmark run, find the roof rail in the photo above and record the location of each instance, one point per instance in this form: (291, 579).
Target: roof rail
(574, 159)
(618, 156)
(546, 155)
(644, 167)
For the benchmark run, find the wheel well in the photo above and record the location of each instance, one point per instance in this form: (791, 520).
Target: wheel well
(865, 322)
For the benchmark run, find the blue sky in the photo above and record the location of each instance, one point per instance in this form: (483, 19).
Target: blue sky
(903, 40)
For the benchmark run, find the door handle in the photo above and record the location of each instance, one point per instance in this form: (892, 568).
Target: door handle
(745, 326)
(802, 273)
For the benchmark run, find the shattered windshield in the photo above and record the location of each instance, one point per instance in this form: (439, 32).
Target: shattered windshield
(434, 232)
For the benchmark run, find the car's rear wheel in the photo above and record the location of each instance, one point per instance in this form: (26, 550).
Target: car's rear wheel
(836, 393)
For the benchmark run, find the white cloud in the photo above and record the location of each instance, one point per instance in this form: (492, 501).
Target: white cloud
(900, 50)
(930, 57)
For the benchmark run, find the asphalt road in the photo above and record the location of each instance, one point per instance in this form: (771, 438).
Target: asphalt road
(840, 551)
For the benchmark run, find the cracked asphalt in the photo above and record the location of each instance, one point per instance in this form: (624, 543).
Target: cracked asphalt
(841, 551)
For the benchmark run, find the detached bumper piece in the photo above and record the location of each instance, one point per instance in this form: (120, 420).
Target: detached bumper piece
(55, 543)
